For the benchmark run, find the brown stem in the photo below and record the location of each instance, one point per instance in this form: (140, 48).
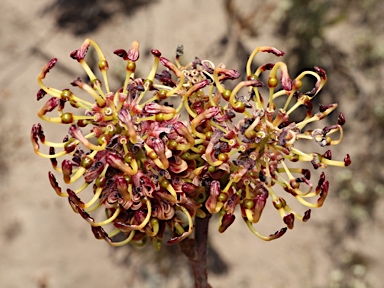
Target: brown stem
(196, 252)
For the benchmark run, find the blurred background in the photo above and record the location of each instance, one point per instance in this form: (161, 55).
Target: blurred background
(44, 244)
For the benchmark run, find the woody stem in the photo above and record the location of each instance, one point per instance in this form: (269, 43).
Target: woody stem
(196, 251)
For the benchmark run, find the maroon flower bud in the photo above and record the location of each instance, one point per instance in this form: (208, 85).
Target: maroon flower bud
(122, 187)
(191, 206)
(272, 50)
(140, 216)
(321, 179)
(341, 119)
(307, 215)
(76, 202)
(197, 86)
(328, 155)
(226, 221)
(121, 53)
(114, 159)
(347, 160)
(166, 62)
(155, 108)
(39, 132)
(289, 220)
(178, 239)
(306, 173)
(156, 53)
(159, 148)
(286, 81)
(47, 68)
(40, 94)
(214, 192)
(77, 133)
(177, 165)
(192, 190)
(80, 53)
(263, 68)
(66, 166)
(323, 108)
(33, 137)
(49, 106)
(321, 72)
(231, 203)
(54, 183)
(93, 172)
(100, 233)
(323, 193)
(277, 234)
(228, 73)
(258, 207)
(183, 131)
(53, 160)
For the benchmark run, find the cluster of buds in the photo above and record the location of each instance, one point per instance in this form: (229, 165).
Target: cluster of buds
(154, 165)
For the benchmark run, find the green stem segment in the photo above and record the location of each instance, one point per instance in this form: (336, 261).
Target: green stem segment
(196, 252)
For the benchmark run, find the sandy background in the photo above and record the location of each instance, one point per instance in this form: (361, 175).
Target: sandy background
(44, 244)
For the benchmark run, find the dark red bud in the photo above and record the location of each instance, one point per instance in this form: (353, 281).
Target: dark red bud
(49, 105)
(93, 172)
(66, 167)
(73, 54)
(48, 67)
(75, 200)
(306, 173)
(289, 220)
(328, 155)
(121, 53)
(321, 72)
(140, 216)
(165, 62)
(341, 119)
(214, 191)
(53, 160)
(121, 185)
(323, 193)
(192, 190)
(307, 215)
(227, 220)
(100, 233)
(277, 234)
(40, 94)
(233, 74)
(321, 179)
(54, 183)
(79, 54)
(178, 239)
(323, 108)
(347, 160)
(273, 50)
(156, 52)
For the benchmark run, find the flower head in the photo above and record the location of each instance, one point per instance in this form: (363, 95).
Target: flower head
(153, 171)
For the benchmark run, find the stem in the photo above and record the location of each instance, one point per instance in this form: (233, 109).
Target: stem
(196, 252)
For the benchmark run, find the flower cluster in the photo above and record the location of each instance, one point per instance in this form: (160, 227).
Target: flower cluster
(153, 171)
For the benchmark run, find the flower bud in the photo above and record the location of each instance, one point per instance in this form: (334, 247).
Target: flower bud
(289, 220)
(47, 68)
(66, 167)
(121, 53)
(226, 221)
(214, 193)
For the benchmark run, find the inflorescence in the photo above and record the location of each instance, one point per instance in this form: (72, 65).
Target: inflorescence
(151, 171)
